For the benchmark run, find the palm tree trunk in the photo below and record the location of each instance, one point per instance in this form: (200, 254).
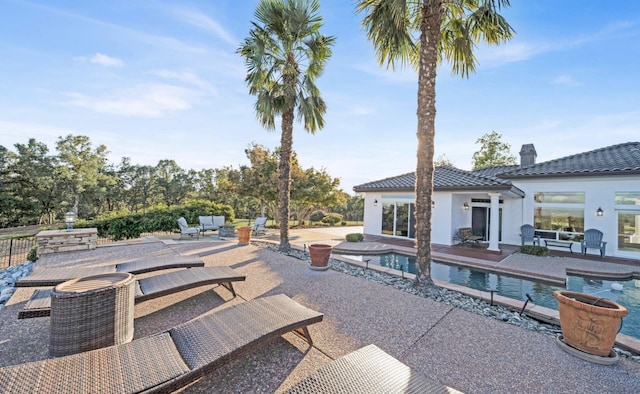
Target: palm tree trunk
(284, 176)
(429, 37)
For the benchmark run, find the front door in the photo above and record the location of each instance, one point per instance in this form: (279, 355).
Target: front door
(479, 220)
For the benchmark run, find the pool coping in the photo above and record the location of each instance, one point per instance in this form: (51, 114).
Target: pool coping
(536, 312)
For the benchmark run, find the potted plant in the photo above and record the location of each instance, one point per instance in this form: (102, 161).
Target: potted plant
(319, 254)
(589, 323)
(244, 235)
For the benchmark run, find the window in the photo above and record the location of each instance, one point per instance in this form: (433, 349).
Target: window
(388, 218)
(559, 223)
(628, 231)
(559, 198)
(398, 220)
(632, 198)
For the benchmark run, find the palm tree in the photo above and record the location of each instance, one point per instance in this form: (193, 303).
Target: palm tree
(284, 55)
(447, 29)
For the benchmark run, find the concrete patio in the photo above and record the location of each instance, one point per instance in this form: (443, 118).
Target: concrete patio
(463, 350)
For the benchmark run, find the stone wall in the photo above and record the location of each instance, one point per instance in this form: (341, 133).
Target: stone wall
(54, 241)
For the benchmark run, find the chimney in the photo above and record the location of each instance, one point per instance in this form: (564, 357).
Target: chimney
(527, 155)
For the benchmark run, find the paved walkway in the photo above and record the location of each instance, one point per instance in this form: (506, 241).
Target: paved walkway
(463, 350)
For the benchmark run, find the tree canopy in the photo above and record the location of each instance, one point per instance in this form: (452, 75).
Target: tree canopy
(38, 187)
(493, 152)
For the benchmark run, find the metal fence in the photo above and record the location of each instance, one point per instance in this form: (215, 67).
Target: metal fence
(15, 251)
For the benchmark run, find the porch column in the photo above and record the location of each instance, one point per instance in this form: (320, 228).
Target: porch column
(494, 227)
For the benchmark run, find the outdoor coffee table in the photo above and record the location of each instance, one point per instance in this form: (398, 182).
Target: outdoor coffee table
(91, 312)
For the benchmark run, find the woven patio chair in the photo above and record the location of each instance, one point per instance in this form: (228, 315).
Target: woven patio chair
(39, 305)
(41, 276)
(368, 370)
(168, 361)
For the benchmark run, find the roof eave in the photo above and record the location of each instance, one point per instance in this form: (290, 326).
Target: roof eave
(571, 174)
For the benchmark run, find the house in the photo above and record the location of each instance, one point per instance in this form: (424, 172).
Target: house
(561, 198)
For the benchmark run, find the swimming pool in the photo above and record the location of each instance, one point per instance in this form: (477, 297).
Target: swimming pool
(516, 288)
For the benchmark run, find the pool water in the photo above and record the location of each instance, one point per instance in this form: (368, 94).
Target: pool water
(516, 288)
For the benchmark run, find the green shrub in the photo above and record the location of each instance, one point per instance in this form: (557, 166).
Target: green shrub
(33, 254)
(316, 216)
(332, 218)
(128, 226)
(343, 223)
(354, 237)
(534, 250)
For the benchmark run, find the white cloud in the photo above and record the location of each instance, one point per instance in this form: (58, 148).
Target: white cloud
(106, 61)
(144, 100)
(199, 19)
(566, 80)
(186, 77)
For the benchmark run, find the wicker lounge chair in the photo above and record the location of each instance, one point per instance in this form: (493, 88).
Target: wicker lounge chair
(368, 371)
(168, 361)
(52, 276)
(39, 305)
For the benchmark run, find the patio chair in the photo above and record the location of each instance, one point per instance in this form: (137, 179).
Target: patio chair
(39, 305)
(52, 276)
(368, 370)
(167, 361)
(258, 226)
(187, 231)
(593, 240)
(528, 234)
(465, 235)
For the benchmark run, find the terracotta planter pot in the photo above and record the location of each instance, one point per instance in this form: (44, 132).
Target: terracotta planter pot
(589, 323)
(319, 256)
(244, 235)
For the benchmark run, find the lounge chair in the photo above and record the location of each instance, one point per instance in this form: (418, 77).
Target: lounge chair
(528, 234)
(593, 240)
(259, 226)
(186, 231)
(39, 305)
(210, 223)
(167, 361)
(52, 276)
(368, 370)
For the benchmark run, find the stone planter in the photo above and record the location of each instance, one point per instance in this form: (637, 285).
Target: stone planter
(589, 323)
(319, 254)
(244, 235)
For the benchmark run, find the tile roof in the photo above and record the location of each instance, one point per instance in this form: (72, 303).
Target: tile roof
(445, 178)
(615, 159)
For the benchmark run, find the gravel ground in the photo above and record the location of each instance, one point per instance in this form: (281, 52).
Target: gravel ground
(457, 347)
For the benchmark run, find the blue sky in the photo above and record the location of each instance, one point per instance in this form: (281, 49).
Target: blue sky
(156, 80)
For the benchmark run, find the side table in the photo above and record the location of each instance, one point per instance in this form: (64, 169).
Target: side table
(228, 230)
(91, 312)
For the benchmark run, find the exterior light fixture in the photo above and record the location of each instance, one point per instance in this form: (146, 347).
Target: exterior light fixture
(69, 219)
(599, 212)
(375, 202)
(466, 206)
(433, 204)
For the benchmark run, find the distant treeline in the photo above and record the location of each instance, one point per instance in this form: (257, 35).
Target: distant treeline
(38, 187)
